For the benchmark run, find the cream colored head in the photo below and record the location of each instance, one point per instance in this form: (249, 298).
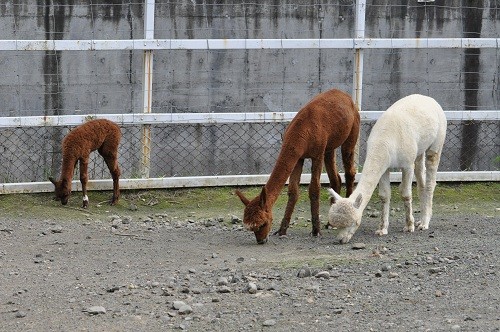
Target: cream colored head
(345, 214)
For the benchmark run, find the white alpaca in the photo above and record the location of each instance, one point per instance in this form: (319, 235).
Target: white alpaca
(412, 128)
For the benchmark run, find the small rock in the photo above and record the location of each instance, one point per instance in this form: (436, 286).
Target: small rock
(224, 289)
(393, 275)
(269, 322)
(304, 272)
(323, 274)
(251, 288)
(96, 310)
(185, 309)
(178, 304)
(358, 246)
(435, 270)
(378, 274)
(56, 229)
(20, 314)
(455, 327)
(235, 220)
(222, 281)
(386, 267)
(337, 311)
(438, 293)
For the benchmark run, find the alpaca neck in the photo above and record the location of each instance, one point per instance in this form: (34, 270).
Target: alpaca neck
(278, 177)
(373, 169)
(68, 168)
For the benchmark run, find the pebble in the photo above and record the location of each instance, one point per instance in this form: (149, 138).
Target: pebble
(251, 288)
(323, 274)
(358, 246)
(235, 220)
(269, 322)
(56, 229)
(20, 314)
(96, 310)
(185, 309)
(222, 281)
(304, 272)
(224, 289)
(178, 304)
(386, 267)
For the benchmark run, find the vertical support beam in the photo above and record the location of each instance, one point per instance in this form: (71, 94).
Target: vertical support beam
(147, 84)
(358, 63)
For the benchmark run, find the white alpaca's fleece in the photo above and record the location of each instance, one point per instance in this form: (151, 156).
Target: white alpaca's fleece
(409, 136)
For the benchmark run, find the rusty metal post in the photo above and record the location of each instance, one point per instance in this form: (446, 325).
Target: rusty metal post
(358, 65)
(149, 12)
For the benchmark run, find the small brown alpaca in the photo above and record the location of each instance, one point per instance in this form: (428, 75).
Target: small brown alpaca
(328, 121)
(101, 135)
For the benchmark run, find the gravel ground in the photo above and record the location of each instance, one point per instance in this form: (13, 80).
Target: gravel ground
(119, 272)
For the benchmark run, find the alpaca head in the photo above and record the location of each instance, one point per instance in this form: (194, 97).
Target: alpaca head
(62, 190)
(257, 217)
(345, 215)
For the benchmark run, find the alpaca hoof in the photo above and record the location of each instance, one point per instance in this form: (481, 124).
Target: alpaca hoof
(409, 229)
(316, 234)
(280, 232)
(343, 239)
(85, 204)
(381, 232)
(423, 227)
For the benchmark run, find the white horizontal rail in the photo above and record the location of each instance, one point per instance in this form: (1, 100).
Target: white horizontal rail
(219, 181)
(205, 118)
(245, 44)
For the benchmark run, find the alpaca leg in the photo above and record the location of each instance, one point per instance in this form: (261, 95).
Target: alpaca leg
(84, 164)
(111, 160)
(314, 191)
(431, 166)
(332, 172)
(293, 196)
(348, 149)
(384, 188)
(420, 177)
(405, 189)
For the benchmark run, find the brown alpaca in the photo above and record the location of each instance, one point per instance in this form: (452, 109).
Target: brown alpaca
(328, 121)
(101, 135)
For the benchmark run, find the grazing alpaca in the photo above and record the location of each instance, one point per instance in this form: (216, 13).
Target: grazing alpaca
(328, 121)
(409, 135)
(101, 135)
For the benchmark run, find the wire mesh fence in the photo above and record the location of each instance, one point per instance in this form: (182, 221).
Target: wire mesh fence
(99, 72)
(34, 154)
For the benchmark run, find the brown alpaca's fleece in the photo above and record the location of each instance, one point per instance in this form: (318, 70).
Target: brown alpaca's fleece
(101, 135)
(328, 121)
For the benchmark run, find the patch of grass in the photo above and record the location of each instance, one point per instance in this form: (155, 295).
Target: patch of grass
(197, 203)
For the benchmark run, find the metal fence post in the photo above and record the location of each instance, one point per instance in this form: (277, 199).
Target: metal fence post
(358, 64)
(149, 20)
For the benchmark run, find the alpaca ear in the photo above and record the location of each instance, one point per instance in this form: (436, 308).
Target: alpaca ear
(334, 197)
(242, 197)
(357, 202)
(263, 198)
(51, 179)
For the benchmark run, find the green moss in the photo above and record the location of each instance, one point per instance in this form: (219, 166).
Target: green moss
(197, 203)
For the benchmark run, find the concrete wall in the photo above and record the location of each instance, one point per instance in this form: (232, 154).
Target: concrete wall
(48, 83)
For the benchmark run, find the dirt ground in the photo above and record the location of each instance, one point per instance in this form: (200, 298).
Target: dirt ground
(181, 260)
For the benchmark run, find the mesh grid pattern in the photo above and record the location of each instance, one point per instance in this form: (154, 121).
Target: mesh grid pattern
(28, 154)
